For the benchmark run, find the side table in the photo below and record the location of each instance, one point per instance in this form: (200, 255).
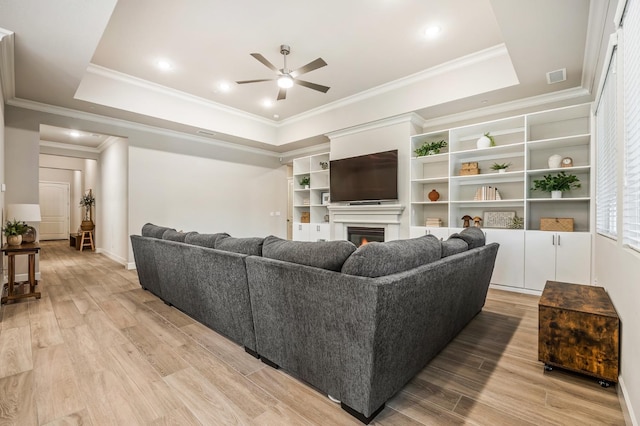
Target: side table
(578, 330)
(30, 249)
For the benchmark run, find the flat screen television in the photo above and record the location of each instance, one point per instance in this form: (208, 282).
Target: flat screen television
(371, 177)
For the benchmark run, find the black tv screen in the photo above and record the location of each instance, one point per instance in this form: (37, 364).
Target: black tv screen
(365, 178)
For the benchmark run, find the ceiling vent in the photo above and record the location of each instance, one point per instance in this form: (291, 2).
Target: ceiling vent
(556, 76)
(205, 133)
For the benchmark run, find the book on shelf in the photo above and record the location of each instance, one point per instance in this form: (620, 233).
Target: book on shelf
(433, 222)
(487, 193)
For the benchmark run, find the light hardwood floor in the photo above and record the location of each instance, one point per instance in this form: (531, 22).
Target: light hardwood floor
(97, 349)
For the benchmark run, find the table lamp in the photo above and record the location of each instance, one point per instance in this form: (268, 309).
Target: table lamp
(25, 213)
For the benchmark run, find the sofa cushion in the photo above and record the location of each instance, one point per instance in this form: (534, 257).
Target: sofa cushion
(154, 231)
(204, 240)
(453, 246)
(379, 259)
(321, 254)
(249, 246)
(473, 236)
(173, 235)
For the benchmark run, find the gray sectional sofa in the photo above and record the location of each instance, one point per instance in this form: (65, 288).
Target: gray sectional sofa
(355, 323)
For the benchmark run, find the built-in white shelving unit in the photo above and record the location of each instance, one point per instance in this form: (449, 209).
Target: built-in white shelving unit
(526, 142)
(308, 200)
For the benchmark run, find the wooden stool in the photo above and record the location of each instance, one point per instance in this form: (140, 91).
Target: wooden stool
(86, 240)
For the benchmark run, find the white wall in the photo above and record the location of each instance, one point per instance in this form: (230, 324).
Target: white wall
(205, 195)
(618, 270)
(384, 136)
(112, 202)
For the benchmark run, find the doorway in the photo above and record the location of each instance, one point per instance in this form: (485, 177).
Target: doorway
(54, 209)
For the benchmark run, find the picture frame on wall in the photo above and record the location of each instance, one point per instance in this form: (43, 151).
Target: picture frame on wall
(324, 198)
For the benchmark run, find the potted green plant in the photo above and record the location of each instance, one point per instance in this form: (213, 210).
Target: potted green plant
(557, 184)
(87, 201)
(500, 167)
(13, 231)
(430, 148)
(305, 181)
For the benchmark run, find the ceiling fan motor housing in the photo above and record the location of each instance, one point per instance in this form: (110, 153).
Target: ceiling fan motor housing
(284, 49)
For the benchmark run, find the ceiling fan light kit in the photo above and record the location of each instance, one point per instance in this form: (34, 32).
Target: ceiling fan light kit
(287, 78)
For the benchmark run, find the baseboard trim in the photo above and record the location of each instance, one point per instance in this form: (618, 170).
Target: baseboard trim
(113, 257)
(23, 277)
(131, 266)
(625, 404)
(516, 289)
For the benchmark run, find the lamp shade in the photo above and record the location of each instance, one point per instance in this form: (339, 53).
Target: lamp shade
(24, 212)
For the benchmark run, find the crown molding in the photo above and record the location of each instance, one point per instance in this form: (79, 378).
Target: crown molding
(506, 107)
(411, 117)
(303, 152)
(455, 64)
(69, 147)
(107, 143)
(80, 115)
(154, 87)
(7, 73)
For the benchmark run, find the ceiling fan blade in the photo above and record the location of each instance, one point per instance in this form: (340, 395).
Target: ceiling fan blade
(265, 62)
(254, 81)
(282, 94)
(318, 87)
(313, 65)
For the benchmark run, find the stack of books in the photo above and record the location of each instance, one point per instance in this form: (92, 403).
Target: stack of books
(433, 222)
(306, 202)
(487, 193)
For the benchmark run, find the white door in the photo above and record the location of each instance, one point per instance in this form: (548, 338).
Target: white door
(509, 268)
(573, 257)
(540, 255)
(54, 209)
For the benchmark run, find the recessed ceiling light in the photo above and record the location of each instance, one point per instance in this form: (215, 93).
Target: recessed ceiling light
(224, 86)
(432, 31)
(276, 116)
(74, 133)
(164, 65)
(268, 103)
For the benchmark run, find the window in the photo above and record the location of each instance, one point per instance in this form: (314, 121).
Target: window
(606, 176)
(631, 73)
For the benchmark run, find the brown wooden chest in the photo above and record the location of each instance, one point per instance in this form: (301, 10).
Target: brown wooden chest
(578, 330)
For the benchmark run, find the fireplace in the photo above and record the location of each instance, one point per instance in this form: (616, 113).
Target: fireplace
(360, 235)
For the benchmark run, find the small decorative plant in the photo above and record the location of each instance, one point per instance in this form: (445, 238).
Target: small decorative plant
(497, 166)
(305, 180)
(86, 201)
(560, 182)
(516, 223)
(14, 228)
(430, 148)
(324, 165)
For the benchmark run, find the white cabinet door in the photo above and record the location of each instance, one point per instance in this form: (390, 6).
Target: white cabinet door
(509, 267)
(557, 256)
(573, 257)
(319, 232)
(540, 255)
(301, 231)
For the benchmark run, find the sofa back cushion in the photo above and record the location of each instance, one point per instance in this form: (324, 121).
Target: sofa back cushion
(474, 237)
(154, 231)
(453, 246)
(251, 246)
(173, 235)
(379, 259)
(320, 254)
(204, 240)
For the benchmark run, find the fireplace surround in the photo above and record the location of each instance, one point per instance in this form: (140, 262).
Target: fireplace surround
(385, 216)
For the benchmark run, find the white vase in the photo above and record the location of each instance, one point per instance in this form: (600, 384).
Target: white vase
(14, 240)
(554, 161)
(502, 171)
(556, 194)
(483, 142)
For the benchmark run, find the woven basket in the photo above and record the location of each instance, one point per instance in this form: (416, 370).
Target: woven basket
(560, 224)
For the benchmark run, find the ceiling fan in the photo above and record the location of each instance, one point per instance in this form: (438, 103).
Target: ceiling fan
(286, 78)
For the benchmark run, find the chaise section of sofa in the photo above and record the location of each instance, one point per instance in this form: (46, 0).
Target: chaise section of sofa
(360, 339)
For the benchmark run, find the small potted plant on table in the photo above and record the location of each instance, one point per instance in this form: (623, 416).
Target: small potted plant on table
(13, 231)
(557, 184)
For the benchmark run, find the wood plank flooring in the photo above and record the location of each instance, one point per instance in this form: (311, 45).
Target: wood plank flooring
(97, 349)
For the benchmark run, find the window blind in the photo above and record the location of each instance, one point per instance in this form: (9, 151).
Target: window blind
(631, 79)
(606, 176)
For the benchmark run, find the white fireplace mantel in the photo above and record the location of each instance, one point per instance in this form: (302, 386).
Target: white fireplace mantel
(385, 216)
